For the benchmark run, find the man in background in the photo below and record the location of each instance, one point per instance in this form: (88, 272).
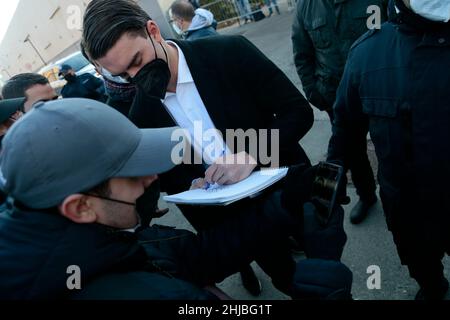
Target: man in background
(84, 86)
(401, 95)
(193, 23)
(323, 33)
(10, 112)
(31, 86)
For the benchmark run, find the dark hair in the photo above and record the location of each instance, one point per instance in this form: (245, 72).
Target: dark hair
(84, 53)
(183, 9)
(17, 85)
(102, 190)
(105, 21)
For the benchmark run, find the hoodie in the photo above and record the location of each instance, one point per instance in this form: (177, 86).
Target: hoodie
(202, 25)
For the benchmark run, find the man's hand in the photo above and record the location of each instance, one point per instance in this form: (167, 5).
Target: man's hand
(199, 183)
(231, 169)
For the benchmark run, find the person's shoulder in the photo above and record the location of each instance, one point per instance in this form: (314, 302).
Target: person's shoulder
(86, 76)
(373, 37)
(221, 45)
(219, 41)
(195, 35)
(369, 34)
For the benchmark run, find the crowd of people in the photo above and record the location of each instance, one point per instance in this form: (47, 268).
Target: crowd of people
(81, 174)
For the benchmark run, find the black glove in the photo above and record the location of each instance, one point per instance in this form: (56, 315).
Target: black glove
(341, 197)
(326, 190)
(297, 187)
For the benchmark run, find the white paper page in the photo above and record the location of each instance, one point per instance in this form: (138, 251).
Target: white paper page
(254, 183)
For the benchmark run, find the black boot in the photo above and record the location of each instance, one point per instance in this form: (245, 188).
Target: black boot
(437, 292)
(250, 281)
(361, 210)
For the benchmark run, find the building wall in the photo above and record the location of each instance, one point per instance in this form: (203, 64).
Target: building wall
(45, 23)
(54, 28)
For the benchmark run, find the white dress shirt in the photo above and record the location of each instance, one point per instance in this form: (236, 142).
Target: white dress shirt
(187, 109)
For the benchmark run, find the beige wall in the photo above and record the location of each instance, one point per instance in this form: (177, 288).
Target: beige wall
(46, 23)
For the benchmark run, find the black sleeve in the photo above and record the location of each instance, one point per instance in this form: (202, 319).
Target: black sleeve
(305, 59)
(351, 125)
(275, 95)
(139, 285)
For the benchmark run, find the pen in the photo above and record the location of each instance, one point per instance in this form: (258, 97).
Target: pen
(209, 186)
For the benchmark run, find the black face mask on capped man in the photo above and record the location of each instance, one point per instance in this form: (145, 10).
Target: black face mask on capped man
(154, 77)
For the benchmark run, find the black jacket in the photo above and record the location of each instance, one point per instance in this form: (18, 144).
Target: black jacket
(85, 86)
(241, 88)
(37, 247)
(323, 32)
(396, 85)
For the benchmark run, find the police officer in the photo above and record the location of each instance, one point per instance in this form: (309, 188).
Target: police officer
(396, 86)
(83, 86)
(323, 33)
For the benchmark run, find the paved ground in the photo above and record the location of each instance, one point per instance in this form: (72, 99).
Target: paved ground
(369, 243)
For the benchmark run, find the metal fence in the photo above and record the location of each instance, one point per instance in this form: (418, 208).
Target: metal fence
(228, 12)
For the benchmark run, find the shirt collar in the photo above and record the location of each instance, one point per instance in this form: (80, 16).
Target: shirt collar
(184, 74)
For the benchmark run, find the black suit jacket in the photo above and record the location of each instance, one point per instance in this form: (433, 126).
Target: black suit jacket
(241, 88)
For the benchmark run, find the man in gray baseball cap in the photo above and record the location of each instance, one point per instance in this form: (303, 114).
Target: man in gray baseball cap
(73, 145)
(74, 170)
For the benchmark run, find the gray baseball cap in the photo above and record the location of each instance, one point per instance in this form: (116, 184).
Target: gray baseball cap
(9, 107)
(69, 146)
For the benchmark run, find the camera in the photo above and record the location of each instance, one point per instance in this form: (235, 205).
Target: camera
(326, 186)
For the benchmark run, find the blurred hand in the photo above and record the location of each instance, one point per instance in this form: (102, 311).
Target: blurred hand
(198, 184)
(231, 169)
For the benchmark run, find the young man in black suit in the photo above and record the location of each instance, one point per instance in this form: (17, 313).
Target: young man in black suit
(221, 82)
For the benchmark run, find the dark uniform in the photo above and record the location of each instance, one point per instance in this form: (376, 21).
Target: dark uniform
(85, 86)
(323, 32)
(396, 84)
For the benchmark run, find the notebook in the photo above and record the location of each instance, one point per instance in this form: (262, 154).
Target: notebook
(225, 195)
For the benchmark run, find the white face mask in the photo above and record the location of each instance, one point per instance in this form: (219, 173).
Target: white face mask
(434, 10)
(177, 29)
(107, 75)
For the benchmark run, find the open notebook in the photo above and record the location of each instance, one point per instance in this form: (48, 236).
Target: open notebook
(225, 195)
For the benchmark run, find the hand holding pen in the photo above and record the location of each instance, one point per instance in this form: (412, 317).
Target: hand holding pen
(230, 169)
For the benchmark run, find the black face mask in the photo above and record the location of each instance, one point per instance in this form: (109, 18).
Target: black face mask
(154, 77)
(70, 77)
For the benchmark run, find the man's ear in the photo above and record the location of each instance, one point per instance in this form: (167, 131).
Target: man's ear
(78, 209)
(153, 30)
